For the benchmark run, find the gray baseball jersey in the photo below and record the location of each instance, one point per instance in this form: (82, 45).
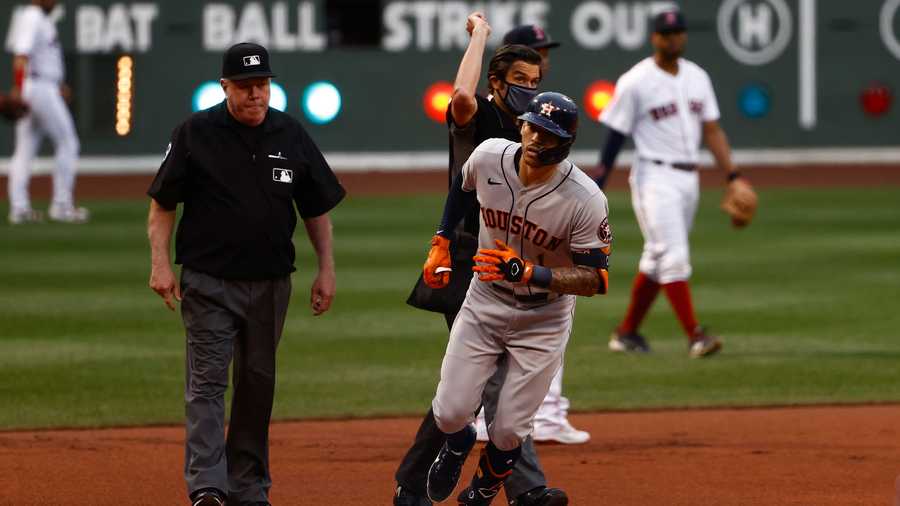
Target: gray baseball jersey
(548, 224)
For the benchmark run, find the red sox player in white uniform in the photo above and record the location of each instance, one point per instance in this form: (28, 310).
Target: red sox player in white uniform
(667, 104)
(38, 78)
(544, 237)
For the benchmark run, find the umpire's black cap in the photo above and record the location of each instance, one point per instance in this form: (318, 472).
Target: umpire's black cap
(669, 22)
(244, 61)
(532, 36)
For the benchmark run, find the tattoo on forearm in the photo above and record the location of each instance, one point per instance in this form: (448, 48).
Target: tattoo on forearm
(578, 280)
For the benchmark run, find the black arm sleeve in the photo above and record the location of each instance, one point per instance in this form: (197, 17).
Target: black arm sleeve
(458, 203)
(614, 142)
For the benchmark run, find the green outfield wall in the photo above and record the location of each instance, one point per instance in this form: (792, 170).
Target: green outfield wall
(809, 61)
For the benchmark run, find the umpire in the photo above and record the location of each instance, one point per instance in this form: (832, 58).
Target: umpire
(238, 168)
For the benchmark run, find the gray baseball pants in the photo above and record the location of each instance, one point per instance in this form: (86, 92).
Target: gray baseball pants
(225, 320)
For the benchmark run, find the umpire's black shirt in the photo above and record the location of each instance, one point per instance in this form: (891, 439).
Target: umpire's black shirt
(239, 185)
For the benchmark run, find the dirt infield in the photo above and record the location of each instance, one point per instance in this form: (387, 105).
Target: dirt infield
(416, 182)
(785, 456)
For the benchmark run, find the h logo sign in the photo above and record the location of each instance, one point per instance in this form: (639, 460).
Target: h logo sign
(252, 60)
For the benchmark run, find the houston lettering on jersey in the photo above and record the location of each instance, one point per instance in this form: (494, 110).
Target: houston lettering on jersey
(493, 218)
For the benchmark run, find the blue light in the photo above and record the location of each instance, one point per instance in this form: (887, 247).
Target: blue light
(207, 95)
(321, 102)
(754, 101)
(277, 97)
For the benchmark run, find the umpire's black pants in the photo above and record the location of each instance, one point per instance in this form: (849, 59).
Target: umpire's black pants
(226, 319)
(413, 471)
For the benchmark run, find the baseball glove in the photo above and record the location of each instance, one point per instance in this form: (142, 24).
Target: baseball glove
(12, 108)
(740, 202)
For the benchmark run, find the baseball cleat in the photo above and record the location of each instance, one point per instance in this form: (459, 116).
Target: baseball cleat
(562, 433)
(541, 496)
(209, 497)
(628, 343)
(479, 497)
(69, 214)
(446, 468)
(703, 345)
(404, 497)
(22, 216)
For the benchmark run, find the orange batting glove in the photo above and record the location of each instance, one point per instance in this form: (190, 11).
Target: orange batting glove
(437, 268)
(502, 263)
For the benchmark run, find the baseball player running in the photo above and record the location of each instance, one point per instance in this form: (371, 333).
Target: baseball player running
(38, 79)
(551, 423)
(667, 104)
(544, 237)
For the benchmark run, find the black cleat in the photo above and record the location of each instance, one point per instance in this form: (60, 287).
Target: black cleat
(628, 343)
(404, 497)
(446, 468)
(208, 497)
(478, 497)
(541, 496)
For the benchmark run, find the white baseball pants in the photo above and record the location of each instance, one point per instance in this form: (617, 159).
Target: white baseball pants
(665, 202)
(49, 116)
(488, 325)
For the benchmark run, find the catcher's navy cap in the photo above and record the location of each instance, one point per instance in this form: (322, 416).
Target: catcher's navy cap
(244, 61)
(532, 36)
(669, 22)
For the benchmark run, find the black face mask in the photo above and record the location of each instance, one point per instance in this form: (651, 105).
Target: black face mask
(517, 97)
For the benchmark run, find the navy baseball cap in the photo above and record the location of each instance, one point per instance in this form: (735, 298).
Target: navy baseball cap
(245, 61)
(532, 36)
(669, 22)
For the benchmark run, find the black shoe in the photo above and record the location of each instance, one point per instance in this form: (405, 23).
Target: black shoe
(628, 343)
(446, 468)
(208, 497)
(404, 497)
(541, 496)
(479, 497)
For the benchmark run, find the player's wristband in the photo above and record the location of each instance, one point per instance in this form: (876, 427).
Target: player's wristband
(19, 77)
(733, 175)
(541, 276)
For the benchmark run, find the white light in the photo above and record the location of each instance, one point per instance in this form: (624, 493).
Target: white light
(207, 95)
(277, 97)
(321, 102)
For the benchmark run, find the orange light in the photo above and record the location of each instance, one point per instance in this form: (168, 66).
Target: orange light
(597, 97)
(436, 100)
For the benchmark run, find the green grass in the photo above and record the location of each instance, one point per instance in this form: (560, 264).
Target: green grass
(806, 299)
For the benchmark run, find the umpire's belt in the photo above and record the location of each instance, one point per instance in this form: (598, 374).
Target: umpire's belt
(687, 167)
(535, 298)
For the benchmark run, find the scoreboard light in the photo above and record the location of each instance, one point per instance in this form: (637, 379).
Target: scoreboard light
(875, 99)
(124, 94)
(597, 97)
(321, 102)
(754, 101)
(277, 97)
(207, 95)
(436, 100)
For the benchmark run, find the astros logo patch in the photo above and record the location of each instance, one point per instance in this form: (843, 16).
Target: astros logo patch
(282, 175)
(547, 108)
(604, 233)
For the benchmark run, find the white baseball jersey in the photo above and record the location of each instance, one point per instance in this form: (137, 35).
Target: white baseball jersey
(545, 223)
(35, 36)
(661, 111)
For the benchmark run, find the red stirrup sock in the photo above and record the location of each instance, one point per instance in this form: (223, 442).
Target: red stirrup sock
(643, 293)
(679, 294)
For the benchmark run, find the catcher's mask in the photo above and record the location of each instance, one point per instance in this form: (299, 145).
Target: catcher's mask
(557, 114)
